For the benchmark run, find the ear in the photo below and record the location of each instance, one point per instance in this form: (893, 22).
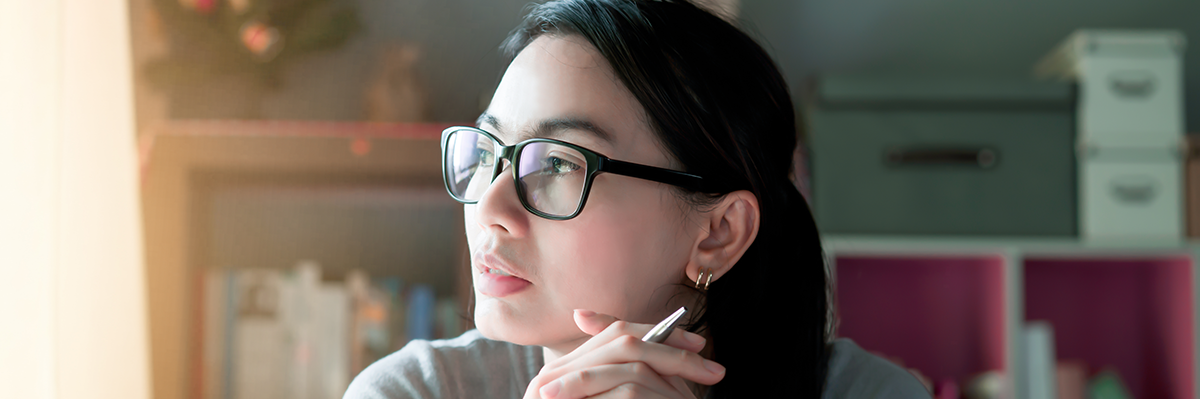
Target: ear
(727, 232)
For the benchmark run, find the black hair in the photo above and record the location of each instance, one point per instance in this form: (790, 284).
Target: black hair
(721, 108)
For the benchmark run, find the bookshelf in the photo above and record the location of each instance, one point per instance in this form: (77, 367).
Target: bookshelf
(954, 307)
(242, 195)
(1132, 312)
(944, 314)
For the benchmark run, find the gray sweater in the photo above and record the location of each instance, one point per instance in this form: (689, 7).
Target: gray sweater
(472, 366)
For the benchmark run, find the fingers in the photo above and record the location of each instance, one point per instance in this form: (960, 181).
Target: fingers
(597, 380)
(615, 343)
(614, 328)
(665, 360)
(594, 323)
(626, 391)
(680, 384)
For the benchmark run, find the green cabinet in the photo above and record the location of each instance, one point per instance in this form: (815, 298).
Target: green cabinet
(948, 156)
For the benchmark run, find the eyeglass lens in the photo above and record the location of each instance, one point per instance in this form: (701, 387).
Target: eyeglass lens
(551, 176)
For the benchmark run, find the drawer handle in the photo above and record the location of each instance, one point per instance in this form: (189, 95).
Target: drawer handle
(983, 158)
(1132, 84)
(1133, 190)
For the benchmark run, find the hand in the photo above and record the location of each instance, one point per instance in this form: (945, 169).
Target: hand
(615, 362)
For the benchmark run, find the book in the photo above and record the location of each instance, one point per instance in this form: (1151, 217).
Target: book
(369, 338)
(212, 326)
(420, 320)
(1040, 364)
(289, 334)
(259, 348)
(330, 369)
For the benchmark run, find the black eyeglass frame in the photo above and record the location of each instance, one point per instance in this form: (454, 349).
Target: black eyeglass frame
(596, 163)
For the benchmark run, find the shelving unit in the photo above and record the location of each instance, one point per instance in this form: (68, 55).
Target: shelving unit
(950, 307)
(954, 307)
(236, 194)
(943, 315)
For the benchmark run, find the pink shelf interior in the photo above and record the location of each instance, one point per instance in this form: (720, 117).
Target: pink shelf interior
(943, 316)
(1131, 314)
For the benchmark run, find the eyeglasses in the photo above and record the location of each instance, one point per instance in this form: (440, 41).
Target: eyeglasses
(552, 177)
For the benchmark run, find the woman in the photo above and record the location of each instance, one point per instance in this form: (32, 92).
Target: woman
(635, 158)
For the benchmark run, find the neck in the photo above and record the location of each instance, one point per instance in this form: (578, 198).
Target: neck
(552, 353)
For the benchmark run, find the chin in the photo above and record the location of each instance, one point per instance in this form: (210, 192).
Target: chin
(495, 319)
(500, 320)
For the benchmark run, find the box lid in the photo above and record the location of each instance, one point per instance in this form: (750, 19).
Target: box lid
(896, 91)
(1063, 62)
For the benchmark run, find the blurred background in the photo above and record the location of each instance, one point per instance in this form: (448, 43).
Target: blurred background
(1005, 190)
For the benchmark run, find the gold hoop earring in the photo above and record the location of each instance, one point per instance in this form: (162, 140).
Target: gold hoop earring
(701, 277)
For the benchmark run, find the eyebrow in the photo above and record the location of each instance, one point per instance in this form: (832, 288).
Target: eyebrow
(550, 128)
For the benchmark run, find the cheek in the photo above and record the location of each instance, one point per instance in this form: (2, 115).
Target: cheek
(617, 254)
(470, 226)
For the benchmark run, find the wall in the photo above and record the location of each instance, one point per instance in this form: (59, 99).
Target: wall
(458, 67)
(72, 288)
(934, 37)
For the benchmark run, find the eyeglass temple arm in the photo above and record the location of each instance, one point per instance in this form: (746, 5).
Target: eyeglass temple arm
(666, 176)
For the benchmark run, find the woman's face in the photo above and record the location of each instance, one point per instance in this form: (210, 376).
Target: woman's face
(623, 255)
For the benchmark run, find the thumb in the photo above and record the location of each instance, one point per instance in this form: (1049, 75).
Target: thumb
(592, 323)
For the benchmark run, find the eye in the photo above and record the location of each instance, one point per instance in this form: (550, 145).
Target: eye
(486, 157)
(556, 165)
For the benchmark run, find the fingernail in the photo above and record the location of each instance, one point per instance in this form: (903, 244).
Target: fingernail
(585, 312)
(693, 338)
(550, 390)
(712, 367)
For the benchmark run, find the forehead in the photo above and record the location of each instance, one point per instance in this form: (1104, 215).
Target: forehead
(559, 78)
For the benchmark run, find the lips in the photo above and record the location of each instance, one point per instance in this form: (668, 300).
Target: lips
(495, 278)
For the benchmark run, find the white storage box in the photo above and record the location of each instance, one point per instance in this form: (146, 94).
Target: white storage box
(1130, 91)
(1131, 194)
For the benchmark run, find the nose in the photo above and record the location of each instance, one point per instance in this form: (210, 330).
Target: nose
(499, 207)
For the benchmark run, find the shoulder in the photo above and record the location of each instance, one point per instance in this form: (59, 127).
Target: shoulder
(856, 373)
(467, 366)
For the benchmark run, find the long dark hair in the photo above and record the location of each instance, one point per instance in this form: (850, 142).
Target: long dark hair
(721, 108)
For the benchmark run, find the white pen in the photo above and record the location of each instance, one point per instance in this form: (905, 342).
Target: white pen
(660, 332)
